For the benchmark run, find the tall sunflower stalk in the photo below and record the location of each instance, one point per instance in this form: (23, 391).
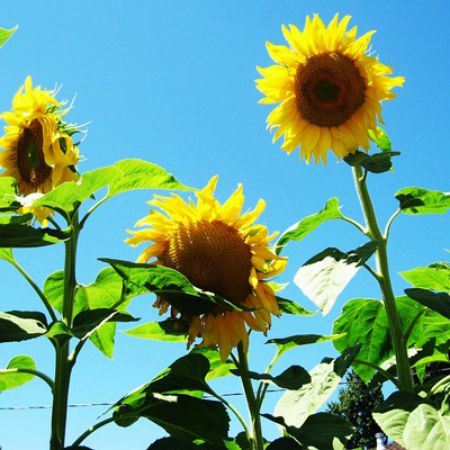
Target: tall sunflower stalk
(329, 89)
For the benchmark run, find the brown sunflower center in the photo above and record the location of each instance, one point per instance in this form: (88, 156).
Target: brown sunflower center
(329, 89)
(30, 155)
(213, 256)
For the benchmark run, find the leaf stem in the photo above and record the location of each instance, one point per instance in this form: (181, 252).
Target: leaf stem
(383, 372)
(92, 209)
(36, 288)
(398, 340)
(262, 388)
(390, 222)
(355, 223)
(253, 406)
(91, 430)
(35, 372)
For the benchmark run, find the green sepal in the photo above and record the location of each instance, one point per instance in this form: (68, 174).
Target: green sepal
(11, 380)
(301, 229)
(374, 163)
(417, 201)
(21, 325)
(381, 139)
(172, 286)
(292, 378)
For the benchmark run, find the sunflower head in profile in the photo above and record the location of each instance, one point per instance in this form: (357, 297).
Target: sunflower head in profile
(328, 87)
(220, 250)
(37, 148)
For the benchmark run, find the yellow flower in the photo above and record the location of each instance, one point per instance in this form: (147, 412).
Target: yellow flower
(37, 149)
(219, 250)
(329, 87)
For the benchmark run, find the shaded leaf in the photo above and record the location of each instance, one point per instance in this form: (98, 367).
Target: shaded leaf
(284, 443)
(11, 380)
(375, 163)
(59, 333)
(14, 235)
(414, 200)
(323, 277)
(301, 229)
(295, 406)
(290, 342)
(437, 301)
(21, 326)
(292, 378)
(217, 367)
(435, 277)
(173, 286)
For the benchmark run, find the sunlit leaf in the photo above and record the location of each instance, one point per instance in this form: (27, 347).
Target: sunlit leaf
(301, 229)
(167, 330)
(17, 236)
(290, 342)
(375, 163)
(173, 286)
(11, 379)
(59, 333)
(295, 406)
(414, 422)
(415, 201)
(21, 325)
(54, 289)
(5, 34)
(217, 367)
(435, 277)
(324, 277)
(292, 378)
(7, 254)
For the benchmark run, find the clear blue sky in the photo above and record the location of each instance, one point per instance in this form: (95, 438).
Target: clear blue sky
(173, 83)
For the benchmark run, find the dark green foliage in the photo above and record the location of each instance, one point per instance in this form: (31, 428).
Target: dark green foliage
(356, 403)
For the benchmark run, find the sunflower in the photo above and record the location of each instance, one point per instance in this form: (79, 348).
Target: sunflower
(37, 146)
(219, 250)
(328, 86)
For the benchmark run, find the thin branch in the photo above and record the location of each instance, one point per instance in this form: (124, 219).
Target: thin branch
(389, 223)
(383, 372)
(372, 272)
(35, 372)
(92, 209)
(91, 430)
(355, 223)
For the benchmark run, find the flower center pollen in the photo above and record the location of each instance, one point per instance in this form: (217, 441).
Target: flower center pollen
(30, 155)
(213, 256)
(329, 89)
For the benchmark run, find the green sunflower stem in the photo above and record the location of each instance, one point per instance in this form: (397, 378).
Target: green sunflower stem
(63, 367)
(398, 338)
(253, 405)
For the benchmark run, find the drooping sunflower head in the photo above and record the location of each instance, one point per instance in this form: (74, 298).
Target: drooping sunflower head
(328, 87)
(219, 250)
(37, 148)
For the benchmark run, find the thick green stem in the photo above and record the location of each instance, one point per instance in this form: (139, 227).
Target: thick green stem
(62, 364)
(398, 339)
(253, 406)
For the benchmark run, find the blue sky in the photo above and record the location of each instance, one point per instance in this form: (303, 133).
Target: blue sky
(173, 83)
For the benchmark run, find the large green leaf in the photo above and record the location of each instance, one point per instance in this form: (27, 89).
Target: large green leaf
(323, 277)
(182, 416)
(122, 176)
(21, 326)
(54, 289)
(375, 163)
(295, 406)
(301, 229)
(13, 235)
(5, 34)
(364, 322)
(292, 378)
(290, 307)
(284, 443)
(414, 422)
(437, 301)
(290, 342)
(167, 330)
(435, 277)
(11, 379)
(319, 431)
(139, 174)
(173, 286)
(217, 367)
(170, 443)
(414, 200)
